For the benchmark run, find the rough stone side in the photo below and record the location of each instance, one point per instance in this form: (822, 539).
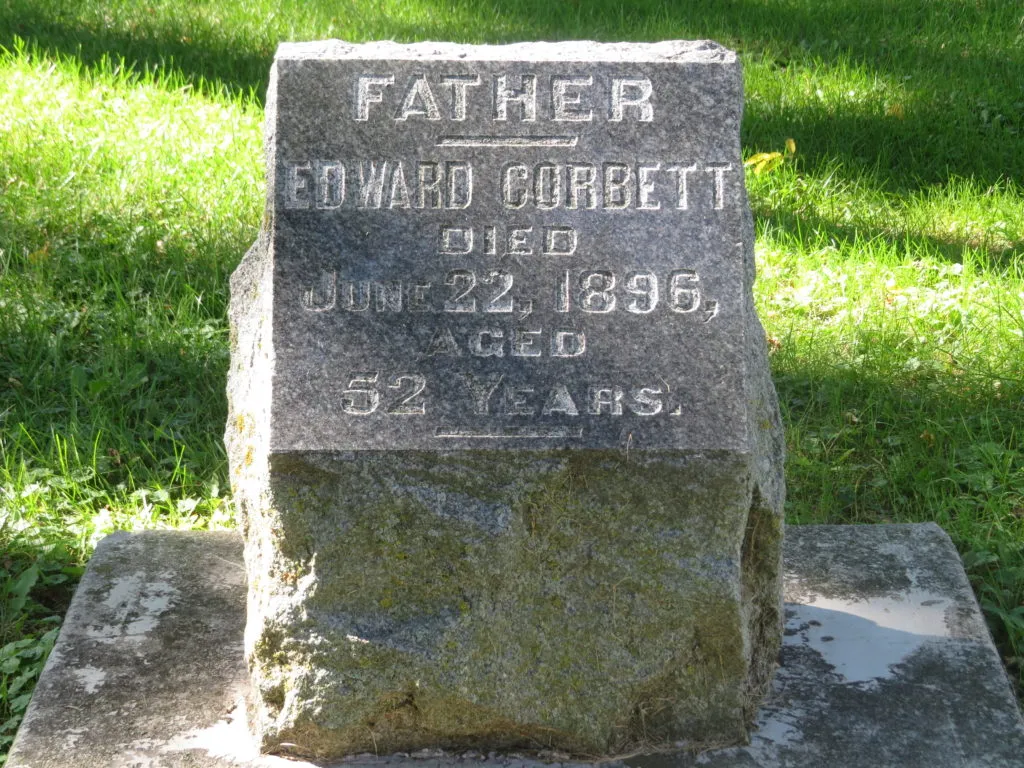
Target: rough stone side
(250, 394)
(586, 602)
(762, 542)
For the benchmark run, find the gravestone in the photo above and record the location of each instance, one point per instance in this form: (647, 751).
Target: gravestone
(502, 433)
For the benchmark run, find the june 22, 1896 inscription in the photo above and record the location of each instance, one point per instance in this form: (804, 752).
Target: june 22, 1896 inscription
(483, 252)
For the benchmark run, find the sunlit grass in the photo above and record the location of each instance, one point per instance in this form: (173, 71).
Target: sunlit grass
(127, 201)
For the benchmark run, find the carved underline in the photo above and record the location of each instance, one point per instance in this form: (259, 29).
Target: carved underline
(507, 141)
(503, 434)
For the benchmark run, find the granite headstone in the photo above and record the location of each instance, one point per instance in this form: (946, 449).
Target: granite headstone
(502, 434)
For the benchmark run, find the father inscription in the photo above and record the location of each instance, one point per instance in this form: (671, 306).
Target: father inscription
(502, 435)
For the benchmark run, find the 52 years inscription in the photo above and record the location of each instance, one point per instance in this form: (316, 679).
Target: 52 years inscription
(489, 252)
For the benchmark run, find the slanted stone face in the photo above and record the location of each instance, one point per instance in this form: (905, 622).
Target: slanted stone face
(503, 439)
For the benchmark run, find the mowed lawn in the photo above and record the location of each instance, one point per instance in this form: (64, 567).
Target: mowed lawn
(886, 140)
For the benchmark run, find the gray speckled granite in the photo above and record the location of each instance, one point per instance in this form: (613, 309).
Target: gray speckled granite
(500, 409)
(886, 662)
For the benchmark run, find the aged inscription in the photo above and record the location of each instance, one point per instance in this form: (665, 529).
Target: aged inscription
(500, 248)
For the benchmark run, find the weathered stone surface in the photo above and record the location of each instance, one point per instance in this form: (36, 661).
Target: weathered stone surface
(506, 450)
(886, 662)
(150, 649)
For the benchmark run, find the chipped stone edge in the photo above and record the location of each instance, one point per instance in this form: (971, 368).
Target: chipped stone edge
(674, 51)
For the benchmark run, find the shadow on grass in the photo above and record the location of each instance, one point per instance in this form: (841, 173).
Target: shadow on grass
(963, 111)
(878, 447)
(212, 61)
(813, 230)
(115, 350)
(881, 446)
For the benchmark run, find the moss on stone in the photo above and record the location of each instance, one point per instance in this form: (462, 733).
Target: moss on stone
(605, 613)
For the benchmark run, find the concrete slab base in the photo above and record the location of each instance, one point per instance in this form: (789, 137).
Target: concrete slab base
(886, 662)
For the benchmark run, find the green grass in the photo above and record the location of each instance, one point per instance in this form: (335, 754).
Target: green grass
(890, 247)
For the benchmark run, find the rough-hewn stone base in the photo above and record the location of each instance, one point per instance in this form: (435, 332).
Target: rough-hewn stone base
(886, 662)
(581, 601)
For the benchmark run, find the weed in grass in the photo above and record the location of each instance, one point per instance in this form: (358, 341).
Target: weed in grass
(998, 577)
(33, 596)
